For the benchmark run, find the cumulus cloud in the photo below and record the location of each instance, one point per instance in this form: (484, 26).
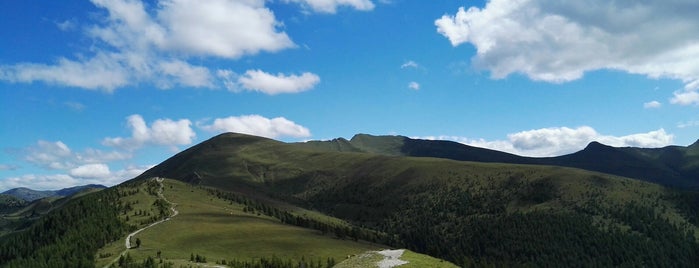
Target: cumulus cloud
(165, 132)
(563, 140)
(330, 6)
(414, 85)
(91, 171)
(257, 80)
(652, 105)
(258, 125)
(134, 44)
(560, 41)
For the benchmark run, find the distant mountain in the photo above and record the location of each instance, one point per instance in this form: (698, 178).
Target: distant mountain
(29, 195)
(674, 166)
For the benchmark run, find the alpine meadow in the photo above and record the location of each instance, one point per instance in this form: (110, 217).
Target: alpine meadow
(349, 133)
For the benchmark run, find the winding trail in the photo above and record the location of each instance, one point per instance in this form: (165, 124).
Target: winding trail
(127, 242)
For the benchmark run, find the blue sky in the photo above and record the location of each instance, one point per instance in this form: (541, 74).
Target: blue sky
(98, 91)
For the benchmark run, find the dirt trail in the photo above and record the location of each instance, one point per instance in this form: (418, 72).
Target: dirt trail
(127, 242)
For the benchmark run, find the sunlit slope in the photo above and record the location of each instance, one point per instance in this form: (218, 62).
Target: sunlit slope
(465, 212)
(218, 229)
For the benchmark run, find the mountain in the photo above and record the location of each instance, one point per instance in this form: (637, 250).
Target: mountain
(27, 194)
(243, 201)
(674, 166)
(462, 211)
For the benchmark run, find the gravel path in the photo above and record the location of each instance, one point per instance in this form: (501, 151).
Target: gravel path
(127, 243)
(391, 258)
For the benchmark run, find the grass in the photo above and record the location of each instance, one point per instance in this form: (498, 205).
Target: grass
(217, 229)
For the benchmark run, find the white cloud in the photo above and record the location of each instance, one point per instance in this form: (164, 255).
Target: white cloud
(259, 126)
(57, 155)
(414, 85)
(222, 28)
(91, 171)
(52, 155)
(164, 132)
(330, 6)
(409, 64)
(652, 105)
(104, 71)
(563, 140)
(183, 73)
(134, 44)
(685, 97)
(560, 41)
(257, 80)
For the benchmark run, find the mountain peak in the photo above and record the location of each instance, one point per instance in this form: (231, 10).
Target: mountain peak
(595, 145)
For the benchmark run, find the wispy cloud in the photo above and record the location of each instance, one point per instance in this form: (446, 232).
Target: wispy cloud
(331, 6)
(409, 64)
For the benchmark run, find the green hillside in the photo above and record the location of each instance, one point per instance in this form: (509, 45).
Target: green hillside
(222, 230)
(464, 212)
(244, 201)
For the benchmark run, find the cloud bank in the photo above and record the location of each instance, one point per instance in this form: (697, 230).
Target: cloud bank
(557, 141)
(560, 41)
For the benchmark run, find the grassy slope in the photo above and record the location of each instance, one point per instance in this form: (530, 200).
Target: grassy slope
(251, 164)
(217, 229)
(369, 188)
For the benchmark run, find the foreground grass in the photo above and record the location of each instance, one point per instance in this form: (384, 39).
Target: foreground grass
(217, 230)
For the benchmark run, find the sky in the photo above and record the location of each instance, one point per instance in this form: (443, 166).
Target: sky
(98, 91)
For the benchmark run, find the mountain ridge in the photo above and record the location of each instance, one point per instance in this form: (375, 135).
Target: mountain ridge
(675, 166)
(29, 195)
(431, 204)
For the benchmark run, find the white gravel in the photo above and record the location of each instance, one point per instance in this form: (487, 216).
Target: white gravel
(391, 258)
